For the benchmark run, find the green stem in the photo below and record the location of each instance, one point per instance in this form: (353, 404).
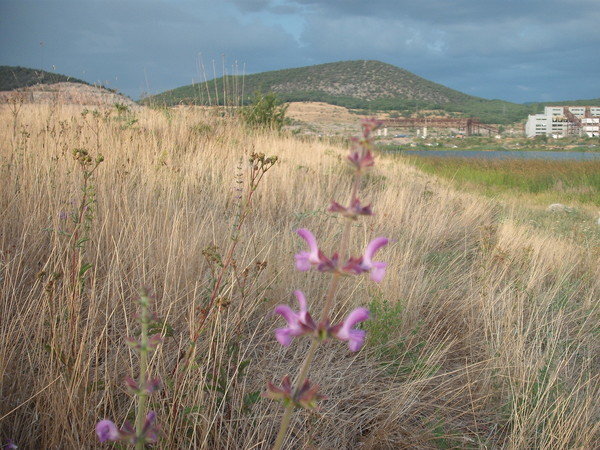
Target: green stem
(285, 423)
(143, 395)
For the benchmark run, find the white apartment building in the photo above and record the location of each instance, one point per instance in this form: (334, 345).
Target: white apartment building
(560, 121)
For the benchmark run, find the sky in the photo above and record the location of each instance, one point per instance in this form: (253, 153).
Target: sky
(515, 50)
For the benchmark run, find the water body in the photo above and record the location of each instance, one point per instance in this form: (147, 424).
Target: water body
(506, 154)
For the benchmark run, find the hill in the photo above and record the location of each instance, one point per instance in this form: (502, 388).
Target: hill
(369, 85)
(68, 93)
(589, 102)
(15, 77)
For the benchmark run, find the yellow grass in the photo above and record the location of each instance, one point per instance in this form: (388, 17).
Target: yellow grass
(492, 341)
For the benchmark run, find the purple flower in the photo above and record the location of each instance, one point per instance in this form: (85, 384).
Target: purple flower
(285, 392)
(353, 211)
(345, 331)
(151, 385)
(131, 384)
(305, 260)
(150, 431)
(299, 323)
(361, 158)
(314, 257)
(107, 431)
(366, 264)
(306, 397)
(10, 445)
(361, 155)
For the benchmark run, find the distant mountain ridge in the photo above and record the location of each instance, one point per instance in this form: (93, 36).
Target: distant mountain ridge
(16, 77)
(358, 84)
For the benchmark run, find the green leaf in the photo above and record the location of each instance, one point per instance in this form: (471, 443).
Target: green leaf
(84, 268)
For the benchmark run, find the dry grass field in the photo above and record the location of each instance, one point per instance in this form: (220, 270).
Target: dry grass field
(484, 333)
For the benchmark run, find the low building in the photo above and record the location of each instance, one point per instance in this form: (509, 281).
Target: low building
(560, 121)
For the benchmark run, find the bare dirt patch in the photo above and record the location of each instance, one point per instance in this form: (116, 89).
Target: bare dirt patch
(321, 112)
(67, 93)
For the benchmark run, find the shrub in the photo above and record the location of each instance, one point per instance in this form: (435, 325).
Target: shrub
(266, 111)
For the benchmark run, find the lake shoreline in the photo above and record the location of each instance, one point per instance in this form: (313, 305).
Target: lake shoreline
(502, 154)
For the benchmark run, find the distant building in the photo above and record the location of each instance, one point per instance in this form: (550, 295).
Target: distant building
(561, 121)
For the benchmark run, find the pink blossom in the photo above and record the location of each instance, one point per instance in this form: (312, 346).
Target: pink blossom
(345, 331)
(107, 431)
(305, 260)
(365, 263)
(299, 323)
(314, 257)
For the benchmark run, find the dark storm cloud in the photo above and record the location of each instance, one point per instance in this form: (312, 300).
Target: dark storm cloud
(453, 11)
(137, 40)
(519, 50)
(515, 50)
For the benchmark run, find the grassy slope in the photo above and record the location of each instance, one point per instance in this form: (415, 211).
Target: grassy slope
(588, 102)
(483, 335)
(353, 84)
(565, 181)
(14, 77)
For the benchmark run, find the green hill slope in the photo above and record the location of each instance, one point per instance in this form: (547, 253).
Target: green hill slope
(15, 77)
(361, 84)
(589, 102)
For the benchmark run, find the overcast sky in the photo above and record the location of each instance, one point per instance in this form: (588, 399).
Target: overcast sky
(516, 50)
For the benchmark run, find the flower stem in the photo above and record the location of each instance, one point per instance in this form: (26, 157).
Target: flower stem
(142, 395)
(287, 415)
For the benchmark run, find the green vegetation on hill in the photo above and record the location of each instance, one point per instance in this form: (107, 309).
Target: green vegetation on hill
(589, 102)
(15, 77)
(368, 85)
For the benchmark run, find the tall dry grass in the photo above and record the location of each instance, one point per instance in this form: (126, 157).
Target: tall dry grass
(485, 333)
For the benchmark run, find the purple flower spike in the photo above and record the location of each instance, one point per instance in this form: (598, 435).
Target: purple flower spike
(107, 431)
(305, 260)
(299, 323)
(345, 331)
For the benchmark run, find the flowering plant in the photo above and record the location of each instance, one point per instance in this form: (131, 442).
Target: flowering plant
(145, 431)
(302, 393)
